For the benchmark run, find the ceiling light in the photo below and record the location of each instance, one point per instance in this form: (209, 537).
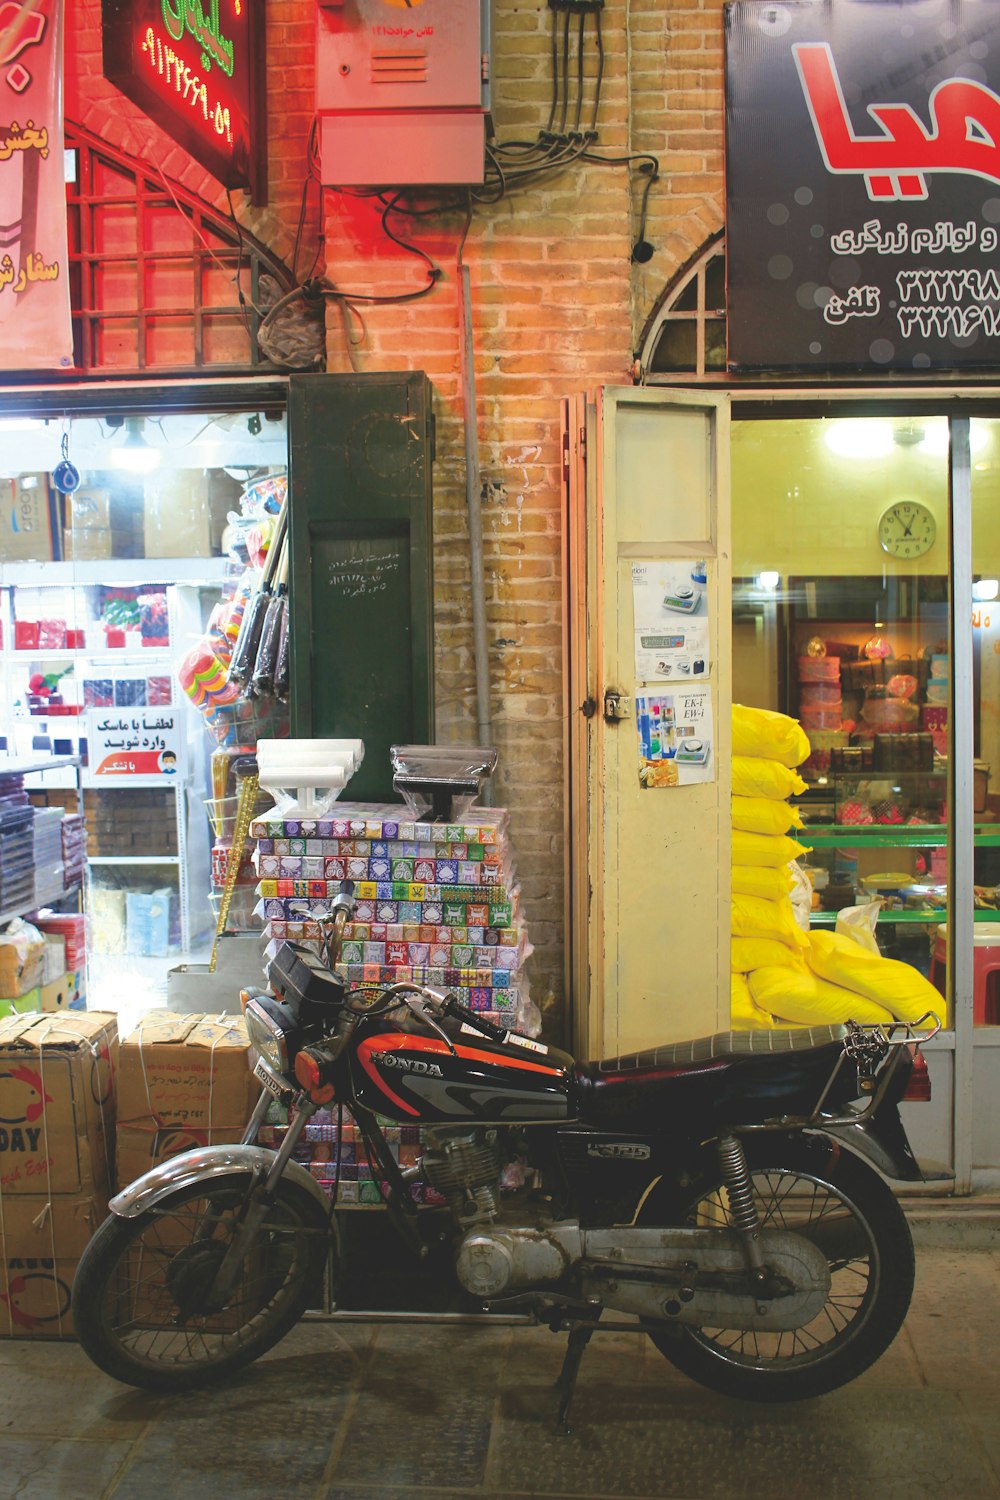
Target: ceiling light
(861, 437)
(135, 454)
(768, 580)
(936, 438)
(986, 588)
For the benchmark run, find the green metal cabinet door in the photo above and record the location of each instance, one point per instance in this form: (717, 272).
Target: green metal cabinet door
(361, 577)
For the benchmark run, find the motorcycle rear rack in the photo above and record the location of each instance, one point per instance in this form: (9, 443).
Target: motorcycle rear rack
(876, 1048)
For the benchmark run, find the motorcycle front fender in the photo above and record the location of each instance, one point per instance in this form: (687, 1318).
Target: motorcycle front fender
(202, 1165)
(881, 1140)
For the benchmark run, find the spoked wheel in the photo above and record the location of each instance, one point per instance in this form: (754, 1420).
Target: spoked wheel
(846, 1211)
(143, 1300)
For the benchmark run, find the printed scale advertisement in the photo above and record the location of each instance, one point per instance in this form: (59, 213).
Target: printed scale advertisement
(863, 185)
(673, 706)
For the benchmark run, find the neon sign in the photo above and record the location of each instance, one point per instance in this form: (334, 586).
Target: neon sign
(196, 68)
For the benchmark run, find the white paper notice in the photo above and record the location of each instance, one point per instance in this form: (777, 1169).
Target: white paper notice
(676, 736)
(670, 618)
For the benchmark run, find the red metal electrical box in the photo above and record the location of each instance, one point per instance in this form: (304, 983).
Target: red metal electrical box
(402, 91)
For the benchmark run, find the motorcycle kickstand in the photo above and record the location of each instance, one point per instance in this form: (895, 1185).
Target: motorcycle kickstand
(580, 1335)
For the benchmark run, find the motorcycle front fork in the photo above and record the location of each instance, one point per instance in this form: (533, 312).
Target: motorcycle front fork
(260, 1198)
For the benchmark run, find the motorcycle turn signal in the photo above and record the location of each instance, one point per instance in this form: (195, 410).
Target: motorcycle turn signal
(310, 1066)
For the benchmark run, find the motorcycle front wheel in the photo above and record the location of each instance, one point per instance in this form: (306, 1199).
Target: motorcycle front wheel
(142, 1299)
(845, 1209)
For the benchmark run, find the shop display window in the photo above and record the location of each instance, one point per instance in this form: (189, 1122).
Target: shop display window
(129, 545)
(841, 618)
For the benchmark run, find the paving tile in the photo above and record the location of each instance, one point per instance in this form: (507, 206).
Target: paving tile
(424, 1414)
(53, 1390)
(907, 1447)
(36, 1468)
(954, 1319)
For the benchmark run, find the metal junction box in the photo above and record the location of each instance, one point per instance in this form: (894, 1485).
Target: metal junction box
(402, 91)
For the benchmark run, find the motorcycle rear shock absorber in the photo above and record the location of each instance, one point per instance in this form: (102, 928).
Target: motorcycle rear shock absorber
(742, 1206)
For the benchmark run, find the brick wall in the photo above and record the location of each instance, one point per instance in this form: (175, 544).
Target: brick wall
(557, 307)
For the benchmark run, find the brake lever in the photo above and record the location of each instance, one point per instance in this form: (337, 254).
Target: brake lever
(418, 1005)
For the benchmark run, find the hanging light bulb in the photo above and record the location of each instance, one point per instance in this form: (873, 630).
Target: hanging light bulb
(134, 453)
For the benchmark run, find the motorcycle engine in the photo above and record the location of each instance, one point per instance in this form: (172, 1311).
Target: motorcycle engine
(464, 1166)
(492, 1258)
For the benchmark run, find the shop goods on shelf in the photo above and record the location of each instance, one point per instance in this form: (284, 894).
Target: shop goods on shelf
(131, 821)
(57, 1076)
(50, 871)
(183, 1081)
(134, 922)
(22, 967)
(782, 972)
(73, 928)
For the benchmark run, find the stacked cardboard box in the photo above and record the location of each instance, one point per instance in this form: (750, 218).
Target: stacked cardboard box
(57, 1075)
(131, 820)
(184, 1081)
(437, 903)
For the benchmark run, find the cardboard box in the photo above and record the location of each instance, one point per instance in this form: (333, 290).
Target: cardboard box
(57, 1082)
(138, 1151)
(26, 533)
(61, 993)
(41, 1241)
(89, 510)
(176, 519)
(55, 956)
(22, 960)
(87, 544)
(190, 1070)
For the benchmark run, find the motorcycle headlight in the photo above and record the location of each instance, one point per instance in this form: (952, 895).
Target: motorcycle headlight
(268, 1037)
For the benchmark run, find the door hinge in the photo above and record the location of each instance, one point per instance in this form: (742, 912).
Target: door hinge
(616, 706)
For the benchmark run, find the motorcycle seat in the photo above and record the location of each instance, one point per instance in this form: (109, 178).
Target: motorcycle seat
(743, 1074)
(712, 1051)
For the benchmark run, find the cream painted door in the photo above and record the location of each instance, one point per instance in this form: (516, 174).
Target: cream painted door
(648, 882)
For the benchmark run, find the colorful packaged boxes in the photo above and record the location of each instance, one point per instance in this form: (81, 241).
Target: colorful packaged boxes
(383, 822)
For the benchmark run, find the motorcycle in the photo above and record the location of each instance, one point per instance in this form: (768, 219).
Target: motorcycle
(726, 1195)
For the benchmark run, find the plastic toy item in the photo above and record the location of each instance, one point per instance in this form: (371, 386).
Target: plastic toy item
(901, 686)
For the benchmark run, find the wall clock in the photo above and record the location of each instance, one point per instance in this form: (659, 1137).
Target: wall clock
(907, 529)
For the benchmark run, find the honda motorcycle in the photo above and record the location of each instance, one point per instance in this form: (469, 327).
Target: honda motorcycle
(725, 1196)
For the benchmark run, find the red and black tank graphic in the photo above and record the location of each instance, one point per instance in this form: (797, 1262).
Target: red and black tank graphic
(422, 1079)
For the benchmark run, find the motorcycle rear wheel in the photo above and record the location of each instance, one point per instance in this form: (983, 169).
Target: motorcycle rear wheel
(846, 1210)
(140, 1297)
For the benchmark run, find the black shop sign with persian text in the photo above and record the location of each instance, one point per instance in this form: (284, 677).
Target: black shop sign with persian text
(196, 67)
(863, 185)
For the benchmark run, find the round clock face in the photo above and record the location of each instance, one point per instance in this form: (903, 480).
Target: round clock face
(907, 529)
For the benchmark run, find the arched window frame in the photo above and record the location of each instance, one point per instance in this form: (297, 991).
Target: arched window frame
(701, 315)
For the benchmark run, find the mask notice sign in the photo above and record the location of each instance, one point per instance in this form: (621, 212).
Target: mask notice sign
(196, 67)
(863, 185)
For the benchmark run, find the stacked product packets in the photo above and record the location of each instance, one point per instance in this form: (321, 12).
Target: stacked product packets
(50, 874)
(319, 1148)
(437, 903)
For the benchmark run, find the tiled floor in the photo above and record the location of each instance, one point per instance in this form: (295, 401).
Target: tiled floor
(418, 1412)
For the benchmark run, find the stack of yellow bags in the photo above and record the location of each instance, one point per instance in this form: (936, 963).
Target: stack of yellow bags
(781, 974)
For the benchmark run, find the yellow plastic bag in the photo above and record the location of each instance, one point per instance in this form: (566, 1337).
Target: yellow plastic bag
(898, 987)
(759, 732)
(744, 1015)
(765, 848)
(763, 815)
(797, 995)
(748, 953)
(759, 880)
(755, 916)
(753, 777)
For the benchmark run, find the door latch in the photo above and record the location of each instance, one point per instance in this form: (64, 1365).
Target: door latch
(616, 706)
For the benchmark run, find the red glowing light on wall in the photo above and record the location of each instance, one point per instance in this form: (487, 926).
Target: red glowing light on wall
(196, 68)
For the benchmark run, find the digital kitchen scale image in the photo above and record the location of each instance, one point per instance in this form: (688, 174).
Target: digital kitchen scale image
(684, 599)
(693, 752)
(662, 642)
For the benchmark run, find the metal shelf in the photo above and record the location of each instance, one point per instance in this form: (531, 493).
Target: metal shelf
(116, 571)
(114, 654)
(19, 765)
(926, 915)
(886, 836)
(133, 859)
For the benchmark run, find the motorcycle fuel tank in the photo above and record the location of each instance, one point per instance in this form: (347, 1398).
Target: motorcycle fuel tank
(420, 1079)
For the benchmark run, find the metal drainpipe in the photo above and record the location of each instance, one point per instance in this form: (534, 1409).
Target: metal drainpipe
(473, 500)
